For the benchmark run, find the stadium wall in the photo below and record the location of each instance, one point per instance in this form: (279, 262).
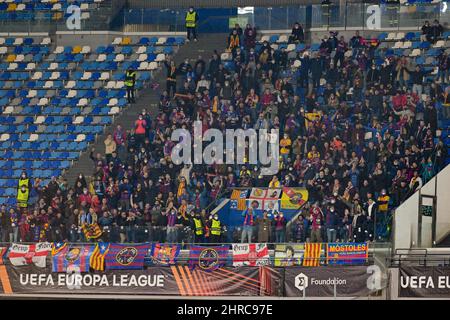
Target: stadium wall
(406, 219)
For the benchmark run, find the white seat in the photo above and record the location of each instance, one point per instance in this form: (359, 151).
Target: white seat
(55, 75)
(19, 58)
(84, 6)
(46, 41)
(141, 49)
(101, 57)
(86, 75)
(56, 7)
(80, 137)
(283, 39)
(83, 102)
(78, 120)
(3, 50)
(415, 53)
(70, 84)
(274, 46)
(30, 66)
(439, 44)
(20, 7)
(4, 137)
(407, 45)
(43, 102)
(112, 102)
(71, 93)
(59, 49)
(18, 41)
(143, 65)
(48, 84)
(31, 94)
(161, 40)
(39, 120)
(117, 41)
(114, 110)
(160, 57)
(53, 66)
(33, 137)
(290, 47)
(297, 63)
(390, 36)
(398, 45)
(153, 65)
(110, 85)
(119, 58)
(85, 49)
(225, 56)
(2, 41)
(104, 76)
(399, 36)
(85, 15)
(12, 66)
(265, 38)
(8, 110)
(119, 85)
(142, 57)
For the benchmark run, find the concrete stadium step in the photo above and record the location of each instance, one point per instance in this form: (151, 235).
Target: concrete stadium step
(147, 98)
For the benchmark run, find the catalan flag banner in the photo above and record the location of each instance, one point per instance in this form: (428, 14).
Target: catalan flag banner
(126, 256)
(208, 258)
(162, 254)
(347, 253)
(311, 256)
(238, 198)
(91, 231)
(57, 247)
(73, 258)
(97, 260)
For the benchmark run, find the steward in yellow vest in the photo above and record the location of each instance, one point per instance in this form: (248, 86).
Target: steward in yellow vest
(130, 79)
(191, 24)
(198, 229)
(383, 202)
(216, 230)
(23, 190)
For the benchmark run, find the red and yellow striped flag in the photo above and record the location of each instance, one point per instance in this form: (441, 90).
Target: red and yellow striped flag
(97, 260)
(311, 256)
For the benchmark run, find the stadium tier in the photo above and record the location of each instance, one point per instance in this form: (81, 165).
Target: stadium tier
(55, 102)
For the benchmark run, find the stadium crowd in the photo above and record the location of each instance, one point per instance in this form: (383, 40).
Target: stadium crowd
(361, 138)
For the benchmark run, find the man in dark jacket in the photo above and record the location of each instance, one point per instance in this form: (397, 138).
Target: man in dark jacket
(297, 34)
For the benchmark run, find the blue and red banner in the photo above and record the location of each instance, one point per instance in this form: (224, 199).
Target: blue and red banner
(163, 254)
(73, 258)
(126, 256)
(347, 253)
(208, 258)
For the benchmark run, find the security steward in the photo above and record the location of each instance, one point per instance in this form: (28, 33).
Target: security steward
(23, 191)
(216, 229)
(198, 228)
(130, 80)
(191, 24)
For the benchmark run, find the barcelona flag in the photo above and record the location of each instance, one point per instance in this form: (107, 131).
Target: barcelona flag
(126, 256)
(91, 231)
(97, 261)
(208, 258)
(164, 254)
(73, 258)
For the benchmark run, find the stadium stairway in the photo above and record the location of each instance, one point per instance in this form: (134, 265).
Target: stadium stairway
(147, 98)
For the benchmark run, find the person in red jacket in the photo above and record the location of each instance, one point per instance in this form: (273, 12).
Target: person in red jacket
(140, 126)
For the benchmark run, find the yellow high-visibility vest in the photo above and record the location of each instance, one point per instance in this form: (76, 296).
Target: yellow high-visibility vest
(22, 198)
(215, 228)
(24, 182)
(198, 227)
(190, 19)
(129, 78)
